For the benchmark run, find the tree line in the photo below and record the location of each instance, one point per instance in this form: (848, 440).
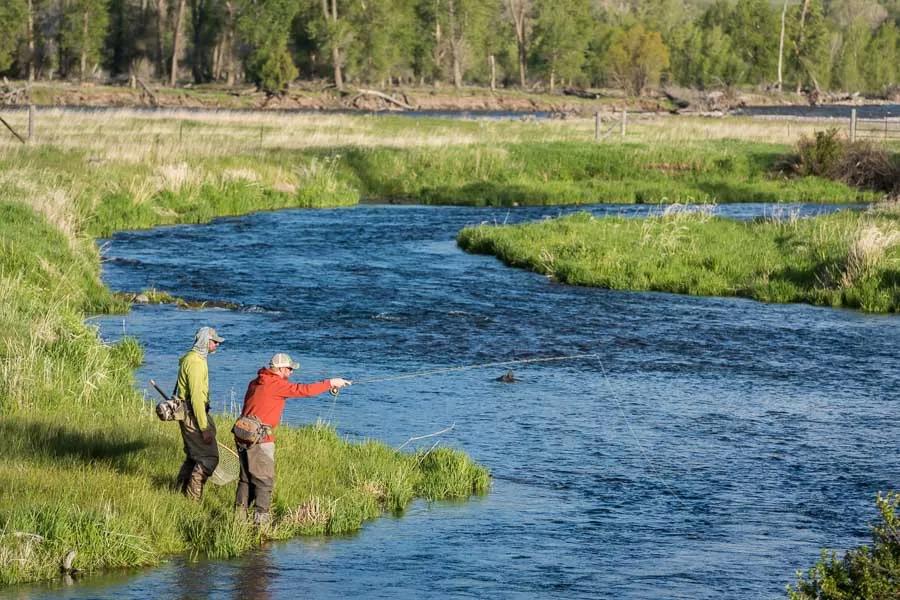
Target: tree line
(851, 45)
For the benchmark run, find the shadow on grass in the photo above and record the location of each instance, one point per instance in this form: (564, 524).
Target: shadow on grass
(36, 439)
(724, 191)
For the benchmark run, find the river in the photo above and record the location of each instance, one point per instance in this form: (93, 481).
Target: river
(709, 452)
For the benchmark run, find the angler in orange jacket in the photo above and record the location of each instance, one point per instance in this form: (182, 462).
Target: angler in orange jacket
(265, 400)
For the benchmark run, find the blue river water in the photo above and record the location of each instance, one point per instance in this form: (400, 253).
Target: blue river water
(710, 451)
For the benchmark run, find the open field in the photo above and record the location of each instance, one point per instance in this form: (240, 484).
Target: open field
(132, 169)
(846, 259)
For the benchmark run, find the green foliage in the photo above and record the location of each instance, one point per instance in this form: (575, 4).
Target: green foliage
(82, 33)
(561, 34)
(13, 26)
(806, 47)
(863, 572)
(820, 155)
(637, 58)
(272, 69)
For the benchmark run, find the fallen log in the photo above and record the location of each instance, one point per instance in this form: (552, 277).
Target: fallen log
(389, 99)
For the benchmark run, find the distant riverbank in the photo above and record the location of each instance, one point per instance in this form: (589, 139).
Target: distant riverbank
(423, 100)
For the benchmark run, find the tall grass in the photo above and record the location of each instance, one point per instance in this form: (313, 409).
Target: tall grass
(845, 259)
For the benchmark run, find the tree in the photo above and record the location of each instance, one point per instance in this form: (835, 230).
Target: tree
(752, 27)
(882, 56)
(637, 58)
(808, 37)
(561, 35)
(848, 72)
(465, 24)
(519, 12)
(707, 58)
(13, 30)
(264, 27)
(83, 31)
(176, 40)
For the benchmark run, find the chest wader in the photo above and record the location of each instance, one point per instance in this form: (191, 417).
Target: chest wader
(257, 480)
(201, 458)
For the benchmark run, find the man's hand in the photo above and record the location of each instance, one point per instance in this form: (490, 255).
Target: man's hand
(208, 437)
(338, 383)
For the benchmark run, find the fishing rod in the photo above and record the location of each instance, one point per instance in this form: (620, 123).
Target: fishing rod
(503, 363)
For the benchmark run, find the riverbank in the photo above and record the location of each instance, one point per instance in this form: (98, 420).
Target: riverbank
(842, 260)
(427, 98)
(88, 466)
(127, 169)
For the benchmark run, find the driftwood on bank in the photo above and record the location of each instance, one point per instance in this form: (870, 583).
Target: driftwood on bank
(10, 96)
(579, 93)
(145, 91)
(361, 93)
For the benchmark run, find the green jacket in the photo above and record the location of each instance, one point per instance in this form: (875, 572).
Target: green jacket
(193, 385)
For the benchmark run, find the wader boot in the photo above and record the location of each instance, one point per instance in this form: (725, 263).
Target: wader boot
(184, 475)
(194, 488)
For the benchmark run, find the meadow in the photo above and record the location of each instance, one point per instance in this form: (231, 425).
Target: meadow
(87, 466)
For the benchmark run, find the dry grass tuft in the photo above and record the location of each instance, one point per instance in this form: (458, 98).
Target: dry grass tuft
(315, 512)
(866, 251)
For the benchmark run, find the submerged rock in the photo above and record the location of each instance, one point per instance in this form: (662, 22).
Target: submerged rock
(507, 377)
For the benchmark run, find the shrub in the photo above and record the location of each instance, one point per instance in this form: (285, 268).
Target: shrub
(820, 154)
(860, 164)
(863, 572)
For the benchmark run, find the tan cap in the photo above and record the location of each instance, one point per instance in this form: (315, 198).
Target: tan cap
(283, 360)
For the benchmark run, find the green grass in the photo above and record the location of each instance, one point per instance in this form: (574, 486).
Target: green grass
(579, 173)
(844, 260)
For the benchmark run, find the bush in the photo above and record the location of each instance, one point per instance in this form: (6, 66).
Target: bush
(860, 164)
(820, 155)
(863, 572)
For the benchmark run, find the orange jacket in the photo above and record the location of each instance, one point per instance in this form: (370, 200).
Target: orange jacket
(266, 395)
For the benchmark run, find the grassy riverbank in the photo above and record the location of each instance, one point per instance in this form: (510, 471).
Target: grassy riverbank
(86, 464)
(844, 260)
(127, 169)
(88, 467)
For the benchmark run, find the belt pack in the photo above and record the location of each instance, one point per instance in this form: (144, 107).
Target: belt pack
(250, 430)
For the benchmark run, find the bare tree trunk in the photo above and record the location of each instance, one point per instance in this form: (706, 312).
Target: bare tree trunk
(160, 28)
(84, 39)
(335, 49)
(176, 42)
(455, 44)
(493, 74)
(518, 10)
(552, 79)
(781, 47)
(228, 50)
(30, 38)
(800, 42)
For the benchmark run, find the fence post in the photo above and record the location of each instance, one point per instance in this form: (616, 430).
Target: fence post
(852, 125)
(597, 126)
(624, 121)
(30, 123)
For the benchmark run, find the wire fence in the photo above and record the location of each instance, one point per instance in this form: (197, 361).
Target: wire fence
(885, 130)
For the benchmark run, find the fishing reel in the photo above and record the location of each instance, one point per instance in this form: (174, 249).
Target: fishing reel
(334, 391)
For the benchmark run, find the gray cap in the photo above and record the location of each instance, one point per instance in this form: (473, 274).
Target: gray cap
(209, 333)
(283, 360)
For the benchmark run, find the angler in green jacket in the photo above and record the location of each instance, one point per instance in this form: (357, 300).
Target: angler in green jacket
(198, 430)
